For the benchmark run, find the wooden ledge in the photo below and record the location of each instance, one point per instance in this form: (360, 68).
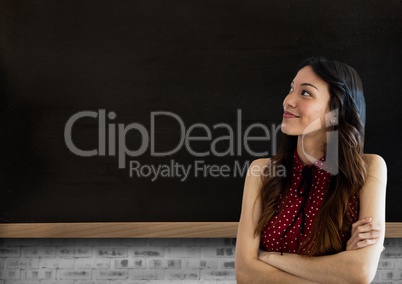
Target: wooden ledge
(120, 230)
(137, 230)
(393, 230)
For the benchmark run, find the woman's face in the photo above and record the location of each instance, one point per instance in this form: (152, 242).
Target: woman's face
(308, 100)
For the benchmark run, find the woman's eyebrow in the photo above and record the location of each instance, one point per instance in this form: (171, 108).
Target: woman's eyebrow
(308, 84)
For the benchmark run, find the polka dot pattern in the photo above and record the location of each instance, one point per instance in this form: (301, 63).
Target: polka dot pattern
(283, 231)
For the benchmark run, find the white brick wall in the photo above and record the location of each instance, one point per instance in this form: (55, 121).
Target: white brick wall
(390, 266)
(116, 261)
(140, 261)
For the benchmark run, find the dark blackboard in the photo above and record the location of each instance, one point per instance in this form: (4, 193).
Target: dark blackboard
(224, 64)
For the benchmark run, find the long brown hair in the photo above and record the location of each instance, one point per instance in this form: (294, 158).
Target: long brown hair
(333, 221)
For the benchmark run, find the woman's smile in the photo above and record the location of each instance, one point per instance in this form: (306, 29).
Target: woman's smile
(288, 114)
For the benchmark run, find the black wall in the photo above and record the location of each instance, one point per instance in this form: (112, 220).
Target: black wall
(206, 62)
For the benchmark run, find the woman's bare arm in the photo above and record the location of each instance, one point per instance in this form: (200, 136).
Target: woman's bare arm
(249, 269)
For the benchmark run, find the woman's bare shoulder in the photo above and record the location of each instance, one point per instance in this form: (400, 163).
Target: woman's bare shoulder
(256, 169)
(374, 161)
(376, 168)
(260, 162)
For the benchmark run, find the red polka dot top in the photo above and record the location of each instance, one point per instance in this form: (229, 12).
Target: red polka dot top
(293, 221)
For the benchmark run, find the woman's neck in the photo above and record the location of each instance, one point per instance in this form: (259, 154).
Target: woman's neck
(310, 149)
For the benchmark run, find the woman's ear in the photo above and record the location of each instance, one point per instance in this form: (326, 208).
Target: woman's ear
(331, 118)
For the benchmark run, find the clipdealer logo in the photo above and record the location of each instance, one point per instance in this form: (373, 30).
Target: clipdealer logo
(331, 148)
(113, 136)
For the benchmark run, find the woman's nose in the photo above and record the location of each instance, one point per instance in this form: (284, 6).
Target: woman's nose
(289, 101)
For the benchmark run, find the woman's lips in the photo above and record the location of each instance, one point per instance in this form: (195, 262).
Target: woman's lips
(287, 114)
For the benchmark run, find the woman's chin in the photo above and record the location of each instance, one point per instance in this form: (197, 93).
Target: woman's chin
(289, 131)
(285, 129)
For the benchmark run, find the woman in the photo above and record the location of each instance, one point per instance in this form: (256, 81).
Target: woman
(323, 221)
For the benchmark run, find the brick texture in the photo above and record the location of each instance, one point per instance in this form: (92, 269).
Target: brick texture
(389, 268)
(140, 261)
(116, 261)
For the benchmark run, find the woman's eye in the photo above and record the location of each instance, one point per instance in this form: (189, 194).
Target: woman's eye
(305, 93)
(291, 90)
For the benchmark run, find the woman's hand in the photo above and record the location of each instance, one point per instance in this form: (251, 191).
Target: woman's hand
(363, 234)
